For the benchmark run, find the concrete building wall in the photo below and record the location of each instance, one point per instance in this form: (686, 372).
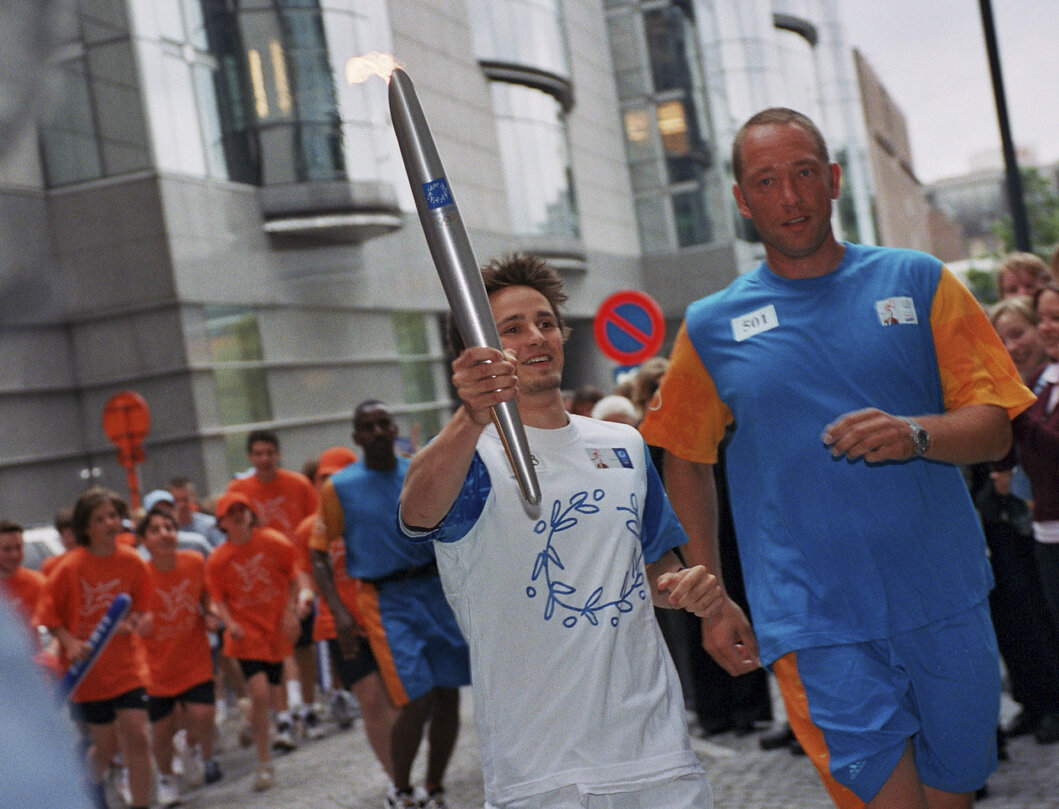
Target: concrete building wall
(901, 207)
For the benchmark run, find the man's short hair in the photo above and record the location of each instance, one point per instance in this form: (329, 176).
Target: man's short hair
(776, 115)
(261, 435)
(516, 271)
(180, 483)
(9, 527)
(360, 408)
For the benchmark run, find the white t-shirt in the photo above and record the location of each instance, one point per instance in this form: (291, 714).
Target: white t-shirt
(572, 682)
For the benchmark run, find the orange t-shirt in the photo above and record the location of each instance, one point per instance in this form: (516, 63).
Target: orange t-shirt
(49, 564)
(253, 581)
(324, 625)
(281, 504)
(23, 588)
(77, 594)
(178, 649)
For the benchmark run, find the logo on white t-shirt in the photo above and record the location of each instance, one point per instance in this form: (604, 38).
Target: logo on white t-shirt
(609, 458)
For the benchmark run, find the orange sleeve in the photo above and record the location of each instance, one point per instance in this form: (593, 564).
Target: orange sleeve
(330, 524)
(974, 365)
(686, 416)
(215, 563)
(24, 588)
(302, 535)
(52, 604)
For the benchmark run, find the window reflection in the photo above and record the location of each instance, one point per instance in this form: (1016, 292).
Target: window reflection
(277, 97)
(416, 366)
(68, 134)
(531, 128)
(521, 32)
(669, 159)
(239, 378)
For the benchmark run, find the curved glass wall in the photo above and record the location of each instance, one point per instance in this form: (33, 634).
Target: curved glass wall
(96, 127)
(801, 90)
(277, 96)
(531, 128)
(521, 32)
(521, 47)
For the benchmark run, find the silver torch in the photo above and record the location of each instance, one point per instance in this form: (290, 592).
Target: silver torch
(450, 248)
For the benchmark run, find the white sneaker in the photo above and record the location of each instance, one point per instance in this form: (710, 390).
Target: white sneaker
(314, 728)
(123, 786)
(344, 709)
(194, 769)
(284, 737)
(167, 793)
(112, 786)
(264, 778)
(435, 800)
(399, 800)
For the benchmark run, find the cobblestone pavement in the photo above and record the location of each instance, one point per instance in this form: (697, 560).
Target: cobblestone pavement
(339, 772)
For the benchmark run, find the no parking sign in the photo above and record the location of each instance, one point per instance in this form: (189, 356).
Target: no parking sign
(629, 327)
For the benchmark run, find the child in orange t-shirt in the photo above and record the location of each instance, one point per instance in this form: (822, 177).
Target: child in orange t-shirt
(252, 580)
(112, 698)
(178, 656)
(21, 585)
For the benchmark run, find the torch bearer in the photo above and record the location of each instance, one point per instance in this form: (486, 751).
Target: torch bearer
(451, 250)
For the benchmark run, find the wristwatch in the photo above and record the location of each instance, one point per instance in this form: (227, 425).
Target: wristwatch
(920, 437)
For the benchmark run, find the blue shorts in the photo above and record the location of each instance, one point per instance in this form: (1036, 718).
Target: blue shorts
(414, 637)
(855, 708)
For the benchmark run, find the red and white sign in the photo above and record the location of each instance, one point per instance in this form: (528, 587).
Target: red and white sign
(629, 327)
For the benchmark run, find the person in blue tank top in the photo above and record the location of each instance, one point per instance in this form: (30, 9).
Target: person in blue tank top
(854, 380)
(416, 644)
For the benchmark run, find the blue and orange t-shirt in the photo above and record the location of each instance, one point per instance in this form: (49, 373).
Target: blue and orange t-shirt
(836, 551)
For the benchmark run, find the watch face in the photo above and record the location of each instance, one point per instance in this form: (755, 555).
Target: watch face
(920, 439)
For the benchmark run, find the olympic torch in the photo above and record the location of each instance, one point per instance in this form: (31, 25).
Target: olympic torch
(450, 248)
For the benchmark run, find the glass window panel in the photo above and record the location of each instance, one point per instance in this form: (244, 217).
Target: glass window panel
(653, 219)
(525, 32)
(195, 24)
(531, 130)
(416, 367)
(170, 19)
(234, 343)
(665, 33)
(67, 133)
(176, 121)
(691, 218)
(279, 112)
(673, 126)
(799, 83)
(206, 102)
(278, 151)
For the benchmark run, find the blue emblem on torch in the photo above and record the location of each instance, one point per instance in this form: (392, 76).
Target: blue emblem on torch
(437, 193)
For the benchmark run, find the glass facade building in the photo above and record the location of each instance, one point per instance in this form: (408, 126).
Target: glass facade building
(211, 214)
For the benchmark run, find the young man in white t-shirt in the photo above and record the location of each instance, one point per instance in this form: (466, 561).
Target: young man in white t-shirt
(576, 699)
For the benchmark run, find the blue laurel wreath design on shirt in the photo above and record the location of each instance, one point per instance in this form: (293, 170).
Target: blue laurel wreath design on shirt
(561, 594)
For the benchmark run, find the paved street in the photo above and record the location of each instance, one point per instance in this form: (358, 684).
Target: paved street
(339, 772)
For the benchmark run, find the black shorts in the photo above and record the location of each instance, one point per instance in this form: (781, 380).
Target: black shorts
(305, 637)
(352, 670)
(105, 711)
(273, 671)
(159, 708)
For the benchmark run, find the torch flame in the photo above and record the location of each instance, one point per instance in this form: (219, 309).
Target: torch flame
(359, 68)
